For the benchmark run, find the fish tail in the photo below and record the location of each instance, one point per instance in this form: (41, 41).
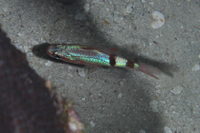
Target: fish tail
(149, 70)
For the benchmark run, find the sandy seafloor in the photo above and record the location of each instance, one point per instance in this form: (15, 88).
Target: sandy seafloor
(113, 100)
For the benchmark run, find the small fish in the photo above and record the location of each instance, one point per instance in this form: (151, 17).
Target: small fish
(85, 55)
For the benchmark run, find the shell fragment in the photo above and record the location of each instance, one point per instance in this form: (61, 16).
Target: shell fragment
(158, 20)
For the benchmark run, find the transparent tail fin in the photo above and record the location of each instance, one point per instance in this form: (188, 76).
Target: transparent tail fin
(149, 70)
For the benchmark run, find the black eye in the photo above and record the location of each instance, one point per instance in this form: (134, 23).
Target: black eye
(57, 56)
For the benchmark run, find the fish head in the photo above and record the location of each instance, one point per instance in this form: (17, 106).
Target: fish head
(54, 51)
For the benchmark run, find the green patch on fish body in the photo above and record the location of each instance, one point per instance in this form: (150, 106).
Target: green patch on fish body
(79, 54)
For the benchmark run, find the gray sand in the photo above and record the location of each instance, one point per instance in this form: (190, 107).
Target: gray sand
(113, 100)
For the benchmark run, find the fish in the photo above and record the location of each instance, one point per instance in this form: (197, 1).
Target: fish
(91, 56)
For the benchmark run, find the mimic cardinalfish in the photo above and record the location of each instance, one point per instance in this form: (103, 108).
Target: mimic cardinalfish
(85, 55)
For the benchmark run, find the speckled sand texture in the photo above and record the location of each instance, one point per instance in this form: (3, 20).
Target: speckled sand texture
(111, 100)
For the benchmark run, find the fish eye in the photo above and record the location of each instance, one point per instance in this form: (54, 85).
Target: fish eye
(57, 56)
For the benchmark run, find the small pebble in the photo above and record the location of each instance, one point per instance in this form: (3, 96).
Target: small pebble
(177, 90)
(26, 48)
(19, 34)
(151, 3)
(163, 102)
(69, 67)
(92, 124)
(87, 7)
(99, 95)
(72, 126)
(33, 42)
(129, 9)
(154, 106)
(81, 73)
(196, 67)
(143, 1)
(158, 20)
(118, 19)
(172, 110)
(60, 79)
(158, 86)
(48, 63)
(5, 8)
(83, 99)
(81, 85)
(178, 4)
(158, 91)
(48, 84)
(120, 95)
(167, 129)
(121, 83)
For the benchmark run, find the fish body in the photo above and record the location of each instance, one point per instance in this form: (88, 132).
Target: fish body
(80, 54)
(85, 55)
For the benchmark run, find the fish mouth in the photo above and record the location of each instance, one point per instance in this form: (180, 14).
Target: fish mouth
(52, 49)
